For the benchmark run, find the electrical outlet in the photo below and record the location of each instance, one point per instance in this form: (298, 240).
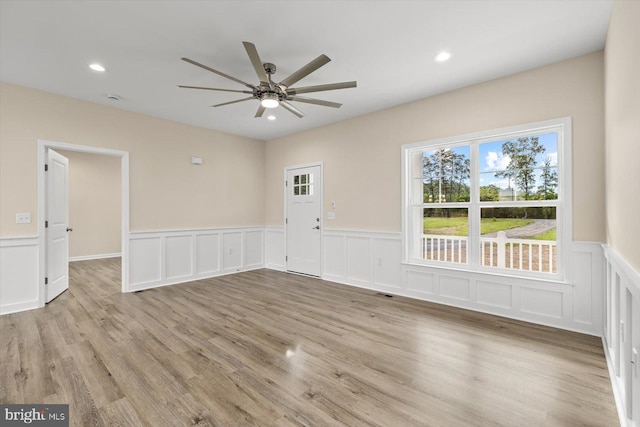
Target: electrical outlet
(379, 261)
(23, 218)
(331, 215)
(230, 251)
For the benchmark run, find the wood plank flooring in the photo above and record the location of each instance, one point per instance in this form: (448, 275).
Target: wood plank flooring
(267, 348)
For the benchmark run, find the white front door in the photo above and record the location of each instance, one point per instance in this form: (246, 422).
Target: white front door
(303, 219)
(57, 217)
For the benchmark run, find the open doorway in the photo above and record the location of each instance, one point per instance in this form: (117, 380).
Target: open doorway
(49, 252)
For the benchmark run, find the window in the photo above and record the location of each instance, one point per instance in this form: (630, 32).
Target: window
(496, 201)
(303, 185)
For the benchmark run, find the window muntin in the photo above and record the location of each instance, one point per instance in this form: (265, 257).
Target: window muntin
(505, 174)
(303, 185)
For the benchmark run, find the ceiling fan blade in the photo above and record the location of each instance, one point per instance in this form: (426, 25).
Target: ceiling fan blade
(320, 88)
(291, 108)
(315, 101)
(233, 102)
(260, 111)
(256, 62)
(214, 88)
(306, 70)
(220, 73)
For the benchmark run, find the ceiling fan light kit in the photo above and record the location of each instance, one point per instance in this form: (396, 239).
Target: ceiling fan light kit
(270, 94)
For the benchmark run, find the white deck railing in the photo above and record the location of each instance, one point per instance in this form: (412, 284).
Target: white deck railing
(499, 251)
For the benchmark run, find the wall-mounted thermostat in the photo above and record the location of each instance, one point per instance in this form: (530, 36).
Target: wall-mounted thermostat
(196, 160)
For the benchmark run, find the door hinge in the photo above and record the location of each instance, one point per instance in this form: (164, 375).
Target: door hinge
(46, 224)
(286, 183)
(286, 220)
(46, 280)
(46, 168)
(286, 258)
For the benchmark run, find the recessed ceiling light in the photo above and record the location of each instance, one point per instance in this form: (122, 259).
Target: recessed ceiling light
(271, 117)
(442, 56)
(97, 67)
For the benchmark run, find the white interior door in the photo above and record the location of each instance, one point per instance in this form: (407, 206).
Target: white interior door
(57, 217)
(304, 213)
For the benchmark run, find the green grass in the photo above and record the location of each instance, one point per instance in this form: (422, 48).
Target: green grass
(547, 235)
(460, 226)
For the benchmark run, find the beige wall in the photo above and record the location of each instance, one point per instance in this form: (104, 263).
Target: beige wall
(167, 192)
(622, 70)
(94, 204)
(362, 155)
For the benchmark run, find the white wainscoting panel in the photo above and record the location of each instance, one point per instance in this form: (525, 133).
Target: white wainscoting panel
(454, 287)
(253, 248)
(541, 302)
(179, 256)
(145, 260)
(334, 266)
(621, 335)
(494, 294)
(19, 288)
(359, 259)
(372, 260)
(232, 251)
(387, 254)
(274, 248)
(160, 258)
(207, 253)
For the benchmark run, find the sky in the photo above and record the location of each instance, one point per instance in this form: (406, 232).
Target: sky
(491, 159)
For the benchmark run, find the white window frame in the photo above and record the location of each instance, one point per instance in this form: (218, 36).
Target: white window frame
(563, 204)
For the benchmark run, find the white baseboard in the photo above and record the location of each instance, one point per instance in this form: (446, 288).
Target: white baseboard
(91, 257)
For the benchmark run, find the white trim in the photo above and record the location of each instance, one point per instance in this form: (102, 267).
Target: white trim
(181, 231)
(284, 219)
(372, 260)
(42, 146)
(622, 282)
(151, 260)
(562, 204)
(97, 256)
(21, 268)
(616, 387)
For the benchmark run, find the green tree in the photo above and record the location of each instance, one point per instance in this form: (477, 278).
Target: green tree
(549, 177)
(489, 193)
(522, 153)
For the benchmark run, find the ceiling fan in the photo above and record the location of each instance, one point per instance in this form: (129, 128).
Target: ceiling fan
(271, 94)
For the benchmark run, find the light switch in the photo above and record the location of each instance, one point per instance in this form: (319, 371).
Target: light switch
(331, 215)
(333, 204)
(23, 218)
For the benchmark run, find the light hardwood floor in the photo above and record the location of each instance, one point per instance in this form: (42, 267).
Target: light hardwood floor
(268, 348)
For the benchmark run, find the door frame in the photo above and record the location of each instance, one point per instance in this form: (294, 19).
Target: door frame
(284, 219)
(42, 146)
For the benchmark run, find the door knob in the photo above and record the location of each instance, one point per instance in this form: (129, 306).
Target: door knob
(69, 228)
(317, 227)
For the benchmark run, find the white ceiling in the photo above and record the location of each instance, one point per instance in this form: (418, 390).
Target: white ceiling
(387, 46)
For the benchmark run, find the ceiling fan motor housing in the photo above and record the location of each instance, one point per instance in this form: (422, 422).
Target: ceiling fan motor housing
(269, 68)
